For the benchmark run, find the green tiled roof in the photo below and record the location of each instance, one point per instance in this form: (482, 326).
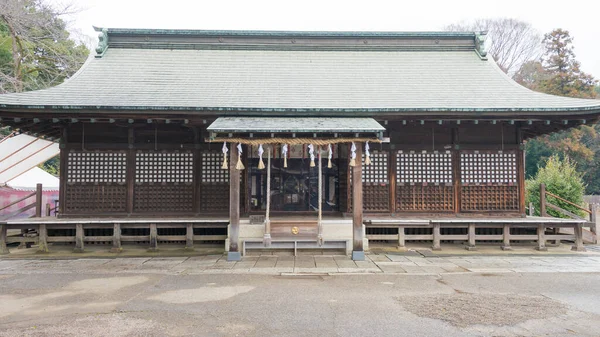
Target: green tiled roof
(355, 76)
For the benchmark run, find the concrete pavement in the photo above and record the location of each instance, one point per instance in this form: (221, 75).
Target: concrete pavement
(411, 263)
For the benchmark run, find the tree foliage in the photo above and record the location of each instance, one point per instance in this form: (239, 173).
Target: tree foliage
(561, 178)
(512, 42)
(35, 49)
(559, 73)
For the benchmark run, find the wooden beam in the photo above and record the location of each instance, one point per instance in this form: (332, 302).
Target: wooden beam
(234, 207)
(357, 208)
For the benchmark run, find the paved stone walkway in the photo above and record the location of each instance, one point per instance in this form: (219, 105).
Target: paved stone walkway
(317, 264)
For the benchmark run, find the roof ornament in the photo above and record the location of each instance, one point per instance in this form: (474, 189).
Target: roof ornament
(102, 43)
(480, 47)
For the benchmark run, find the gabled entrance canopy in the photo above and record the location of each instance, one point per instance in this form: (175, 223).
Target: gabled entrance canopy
(295, 124)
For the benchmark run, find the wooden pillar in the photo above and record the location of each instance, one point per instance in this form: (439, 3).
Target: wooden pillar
(130, 172)
(3, 247)
(506, 238)
(455, 157)
(543, 200)
(392, 169)
(521, 180)
(116, 247)
(38, 200)
(43, 239)
(594, 219)
(541, 238)
(62, 191)
(358, 252)
(401, 237)
(436, 237)
(79, 236)
(234, 206)
(153, 237)
(189, 236)
(471, 237)
(578, 246)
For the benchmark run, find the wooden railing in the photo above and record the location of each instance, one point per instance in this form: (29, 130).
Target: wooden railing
(592, 212)
(37, 204)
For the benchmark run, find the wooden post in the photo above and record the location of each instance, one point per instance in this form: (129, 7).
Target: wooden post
(543, 200)
(153, 237)
(471, 237)
(358, 253)
(436, 237)
(506, 238)
(3, 247)
(456, 173)
(594, 219)
(401, 237)
(116, 247)
(63, 173)
(48, 209)
(521, 179)
(189, 236)
(79, 236)
(38, 200)
(578, 246)
(392, 169)
(234, 206)
(130, 172)
(43, 239)
(531, 209)
(541, 238)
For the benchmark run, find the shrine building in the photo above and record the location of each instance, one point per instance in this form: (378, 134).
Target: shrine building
(290, 140)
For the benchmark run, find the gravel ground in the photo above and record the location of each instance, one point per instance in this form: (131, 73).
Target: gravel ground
(463, 309)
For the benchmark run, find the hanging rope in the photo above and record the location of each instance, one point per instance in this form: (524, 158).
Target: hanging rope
(320, 197)
(261, 164)
(367, 154)
(239, 164)
(267, 236)
(284, 151)
(225, 150)
(329, 156)
(294, 141)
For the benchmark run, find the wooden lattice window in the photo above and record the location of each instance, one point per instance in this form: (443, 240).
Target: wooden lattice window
(424, 167)
(488, 167)
(214, 189)
(96, 167)
(164, 167)
(377, 172)
(375, 179)
(489, 181)
(212, 172)
(424, 181)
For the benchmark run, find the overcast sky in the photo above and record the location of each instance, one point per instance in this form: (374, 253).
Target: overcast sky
(579, 17)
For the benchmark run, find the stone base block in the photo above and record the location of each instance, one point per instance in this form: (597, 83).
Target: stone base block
(578, 249)
(471, 248)
(506, 247)
(358, 255)
(542, 249)
(234, 256)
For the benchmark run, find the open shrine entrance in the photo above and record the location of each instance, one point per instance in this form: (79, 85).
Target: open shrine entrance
(295, 188)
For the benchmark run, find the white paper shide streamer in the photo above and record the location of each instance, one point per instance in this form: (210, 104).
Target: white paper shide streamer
(225, 150)
(330, 155)
(311, 152)
(353, 155)
(284, 151)
(239, 165)
(261, 164)
(367, 154)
